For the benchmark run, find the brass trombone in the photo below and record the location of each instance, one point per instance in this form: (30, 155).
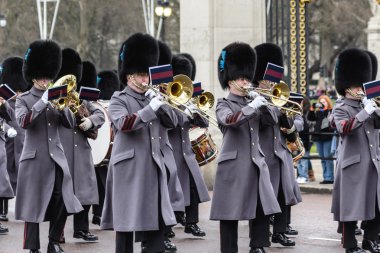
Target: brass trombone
(279, 95)
(176, 93)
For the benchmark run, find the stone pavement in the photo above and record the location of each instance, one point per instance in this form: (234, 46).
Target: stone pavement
(315, 187)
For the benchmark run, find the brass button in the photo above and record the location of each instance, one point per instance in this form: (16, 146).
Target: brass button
(150, 123)
(251, 129)
(49, 124)
(75, 145)
(371, 145)
(49, 139)
(51, 154)
(152, 153)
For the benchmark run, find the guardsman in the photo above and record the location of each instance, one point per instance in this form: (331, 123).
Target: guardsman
(273, 143)
(356, 186)
(11, 75)
(137, 197)
(108, 83)
(78, 150)
(242, 189)
(6, 191)
(45, 186)
(190, 176)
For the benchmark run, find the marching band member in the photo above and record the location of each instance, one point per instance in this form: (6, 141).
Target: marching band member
(137, 197)
(242, 189)
(174, 185)
(273, 143)
(6, 191)
(45, 187)
(11, 75)
(356, 189)
(89, 75)
(78, 150)
(189, 173)
(108, 83)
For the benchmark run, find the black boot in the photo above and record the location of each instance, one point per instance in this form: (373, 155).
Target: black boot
(3, 229)
(194, 230)
(355, 250)
(4, 217)
(170, 233)
(34, 251)
(54, 248)
(282, 239)
(372, 246)
(169, 246)
(257, 250)
(290, 231)
(85, 235)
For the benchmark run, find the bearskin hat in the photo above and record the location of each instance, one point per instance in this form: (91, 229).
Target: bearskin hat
(42, 59)
(137, 54)
(237, 60)
(11, 74)
(373, 63)
(266, 52)
(353, 68)
(88, 75)
(191, 59)
(181, 65)
(71, 64)
(165, 54)
(108, 83)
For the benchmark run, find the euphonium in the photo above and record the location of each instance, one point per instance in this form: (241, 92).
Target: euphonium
(70, 80)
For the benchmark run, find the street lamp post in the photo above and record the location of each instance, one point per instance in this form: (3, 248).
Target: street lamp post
(162, 10)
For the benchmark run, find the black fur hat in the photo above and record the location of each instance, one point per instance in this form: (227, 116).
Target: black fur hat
(374, 64)
(191, 59)
(353, 68)
(88, 75)
(165, 54)
(237, 60)
(11, 74)
(108, 83)
(42, 59)
(266, 52)
(71, 64)
(181, 65)
(137, 54)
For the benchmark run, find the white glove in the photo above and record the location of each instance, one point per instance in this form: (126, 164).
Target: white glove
(252, 94)
(45, 96)
(369, 105)
(11, 133)
(150, 94)
(191, 109)
(86, 124)
(258, 102)
(156, 103)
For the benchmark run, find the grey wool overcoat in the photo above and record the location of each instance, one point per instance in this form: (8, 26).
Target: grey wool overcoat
(278, 157)
(185, 158)
(137, 177)
(79, 157)
(6, 190)
(42, 150)
(14, 146)
(358, 165)
(242, 176)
